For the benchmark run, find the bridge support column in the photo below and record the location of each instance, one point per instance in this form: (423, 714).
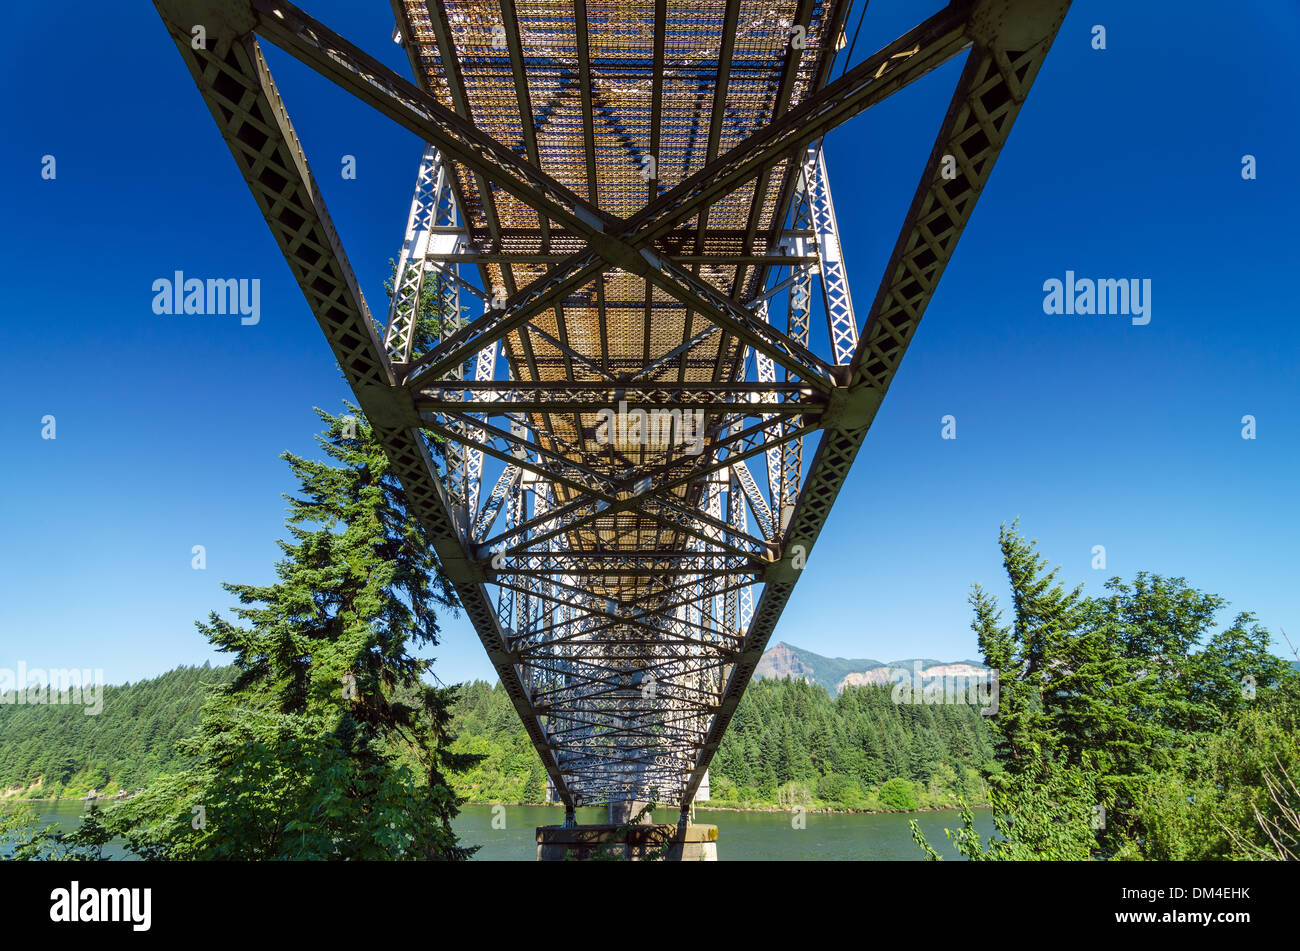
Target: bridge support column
(640, 843)
(624, 811)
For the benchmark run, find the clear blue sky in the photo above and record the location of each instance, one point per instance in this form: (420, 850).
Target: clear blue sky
(1125, 163)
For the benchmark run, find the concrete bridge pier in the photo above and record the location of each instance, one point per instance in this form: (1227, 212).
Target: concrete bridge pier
(623, 811)
(641, 843)
(621, 839)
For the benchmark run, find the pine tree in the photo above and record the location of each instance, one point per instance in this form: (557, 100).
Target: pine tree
(1111, 729)
(328, 744)
(1042, 803)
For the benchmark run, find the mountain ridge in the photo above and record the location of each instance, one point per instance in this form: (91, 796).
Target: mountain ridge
(836, 673)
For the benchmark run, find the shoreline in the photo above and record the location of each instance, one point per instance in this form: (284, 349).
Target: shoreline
(701, 807)
(710, 807)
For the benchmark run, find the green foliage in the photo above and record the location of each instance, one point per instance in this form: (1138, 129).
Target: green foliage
(1117, 737)
(507, 768)
(923, 844)
(896, 795)
(848, 742)
(789, 736)
(23, 837)
(1237, 795)
(790, 743)
(327, 744)
(53, 751)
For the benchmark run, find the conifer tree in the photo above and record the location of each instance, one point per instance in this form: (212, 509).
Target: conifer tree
(1111, 725)
(328, 744)
(1042, 802)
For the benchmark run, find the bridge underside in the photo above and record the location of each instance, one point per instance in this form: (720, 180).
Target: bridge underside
(626, 459)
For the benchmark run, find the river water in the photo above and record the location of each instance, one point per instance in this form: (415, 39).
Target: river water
(507, 833)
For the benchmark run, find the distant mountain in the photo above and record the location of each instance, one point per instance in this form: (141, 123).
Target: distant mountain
(836, 673)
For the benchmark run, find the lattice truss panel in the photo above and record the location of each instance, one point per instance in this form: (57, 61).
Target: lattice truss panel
(622, 215)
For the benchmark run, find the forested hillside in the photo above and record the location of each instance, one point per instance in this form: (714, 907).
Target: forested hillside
(52, 751)
(790, 742)
(485, 722)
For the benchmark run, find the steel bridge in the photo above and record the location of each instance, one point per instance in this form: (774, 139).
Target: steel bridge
(627, 431)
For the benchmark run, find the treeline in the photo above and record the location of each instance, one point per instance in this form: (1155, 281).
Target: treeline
(789, 743)
(52, 751)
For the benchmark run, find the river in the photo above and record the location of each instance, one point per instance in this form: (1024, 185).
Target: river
(507, 833)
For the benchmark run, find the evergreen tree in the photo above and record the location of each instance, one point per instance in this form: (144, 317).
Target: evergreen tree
(1110, 727)
(328, 744)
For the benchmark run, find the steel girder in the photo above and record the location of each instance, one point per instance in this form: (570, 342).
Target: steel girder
(236, 84)
(1010, 42)
(624, 628)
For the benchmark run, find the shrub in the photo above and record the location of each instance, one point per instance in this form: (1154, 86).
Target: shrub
(897, 795)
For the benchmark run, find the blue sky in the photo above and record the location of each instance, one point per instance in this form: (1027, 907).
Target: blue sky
(1125, 163)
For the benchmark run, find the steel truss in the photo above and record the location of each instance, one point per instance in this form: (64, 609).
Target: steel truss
(612, 573)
